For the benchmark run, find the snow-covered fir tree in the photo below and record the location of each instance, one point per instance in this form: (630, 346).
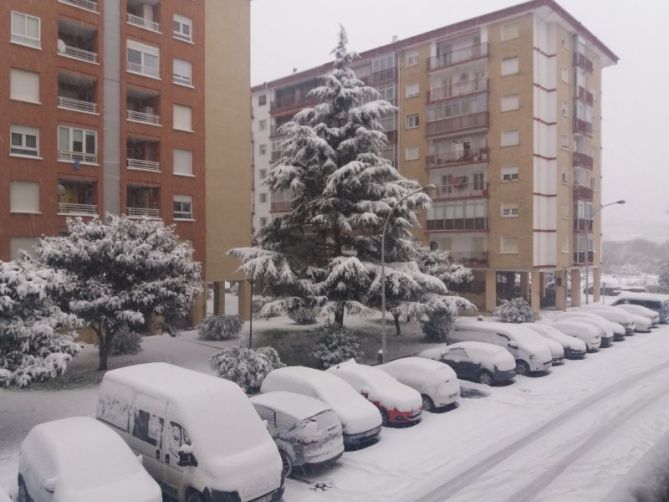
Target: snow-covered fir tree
(122, 271)
(34, 344)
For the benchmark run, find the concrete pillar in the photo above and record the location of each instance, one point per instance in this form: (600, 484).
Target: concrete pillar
(596, 284)
(244, 298)
(219, 298)
(199, 308)
(490, 290)
(525, 285)
(535, 291)
(575, 287)
(560, 290)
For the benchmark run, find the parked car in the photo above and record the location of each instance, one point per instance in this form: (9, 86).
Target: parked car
(608, 331)
(607, 290)
(360, 419)
(612, 314)
(658, 303)
(641, 323)
(306, 431)
(531, 353)
(398, 403)
(436, 382)
(573, 347)
(590, 333)
(649, 314)
(80, 460)
(477, 361)
(198, 435)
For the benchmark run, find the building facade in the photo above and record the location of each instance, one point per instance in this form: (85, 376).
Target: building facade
(503, 114)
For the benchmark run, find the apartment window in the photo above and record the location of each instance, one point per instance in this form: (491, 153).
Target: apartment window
(509, 209)
(182, 28)
(565, 109)
(182, 162)
(24, 86)
(510, 138)
(387, 92)
(510, 103)
(510, 66)
(182, 72)
(143, 59)
(412, 90)
(262, 100)
(182, 118)
(24, 141)
(565, 74)
(25, 29)
(183, 207)
(565, 245)
(411, 58)
(564, 142)
(24, 197)
(262, 149)
(75, 144)
(509, 32)
(508, 245)
(262, 124)
(510, 173)
(263, 198)
(413, 121)
(411, 153)
(565, 177)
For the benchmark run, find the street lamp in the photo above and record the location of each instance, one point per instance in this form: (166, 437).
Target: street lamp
(383, 266)
(587, 258)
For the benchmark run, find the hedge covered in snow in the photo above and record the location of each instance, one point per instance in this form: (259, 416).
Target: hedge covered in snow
(517, 310)
(246, 367)
(218, 327)
(335, 344)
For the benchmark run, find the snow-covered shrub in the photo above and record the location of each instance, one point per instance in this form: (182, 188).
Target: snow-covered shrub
(517, 310)
(258, 303)
(335, 344)
(5, 377)
(437, 325)
(246, 367)
(303, 315)
(219, 327)
(126, 341)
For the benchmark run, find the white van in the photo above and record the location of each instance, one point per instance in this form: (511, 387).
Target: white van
(199, 435)
(528, 349)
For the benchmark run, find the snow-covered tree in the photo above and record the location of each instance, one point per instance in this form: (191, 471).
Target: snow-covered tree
(246, 367)
(663, 279)
(121, 271)
(34, 341)
(517, 310)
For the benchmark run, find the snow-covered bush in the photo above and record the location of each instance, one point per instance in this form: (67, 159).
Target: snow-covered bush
(517, 310)
(335, 344)
(246, 367)
(126, 341)
(303, 315)
(219, 327)
(437, 325)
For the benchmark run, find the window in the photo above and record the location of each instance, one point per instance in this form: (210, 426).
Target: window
(510, 138)
(565, 245)
(24, 141)
(509, 209)
(182, 118)
(262, 100)
(183, 207)
(411, 58)
(564, 142)
(262, 124)
(509, 66)
(565, 177)
(143, 59)
(182, 162)
(412, 90)
(263, 174)
(565, 74)
(263, 198)
(510, 173)
(182, 72)
(508, 245)
(182, 28)
(77, 144)
(413, 121)
(387, 92)
(411, 153)
(147, 427)
(24, 86)
(25, 29)
(24, 197)
(565, 109)
(509, 32)
(262, 149)
(509, 103)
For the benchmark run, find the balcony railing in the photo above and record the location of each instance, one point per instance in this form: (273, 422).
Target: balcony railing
(582, 160)
(582, 225)
(77, 105)
(469, 258)
(149, 71)
(584, 95)
(380, 76)
(582, 61)
(144, 118)
(582, 192)
(281, 206)
(67, 156)
(144, 165)
(459, 88)
(480, 224)
(581, 256)
(143, 212)
(276, 155)
(582, 126)
(479, 155)
(147, 24)
(461, 190)
(82, 4)
(460, 123)
(458, 56)
(80, 54)
(77, 209)
(284, 105)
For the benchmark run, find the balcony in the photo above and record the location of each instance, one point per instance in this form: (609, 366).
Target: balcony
(76, 198)
(77, 41)
(143, 154)
(469, 258)
(582, 192)
(143, 165)
(380, 77)
(89, 5)
(580, 257)
(582, 126)
(143, 212)
(459, 123)
(582, 225)
(458, 56)
(143, 14)
(584, 95)
(143, 202)
(473, 224)
(446, 159)
(582, 61)
(71, 156)
(458, 190)
(77, 209)
(77, 93)
(142, 106)
(582, 160)
(281, 206)
(276, 155)
(142, 22)
(459, 88)
(289, 105)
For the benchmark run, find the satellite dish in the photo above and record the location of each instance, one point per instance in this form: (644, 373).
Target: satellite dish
(61, 45)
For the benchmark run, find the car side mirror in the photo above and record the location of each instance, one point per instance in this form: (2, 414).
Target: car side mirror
(512, 345)
(186, 456)
(50, 484)
(364, 391)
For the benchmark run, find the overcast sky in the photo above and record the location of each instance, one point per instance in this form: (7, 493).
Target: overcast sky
(287, 34)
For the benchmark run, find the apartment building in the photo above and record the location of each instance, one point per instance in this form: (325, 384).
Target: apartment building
(107, 108)
(503, 114)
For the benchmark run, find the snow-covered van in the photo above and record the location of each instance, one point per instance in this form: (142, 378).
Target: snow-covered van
(658, 303)
(360, 419)
(581, 329)
(80, 460)
(198, 435)
(306, 430)
(531, 353)
(437, 382)
(573, 347)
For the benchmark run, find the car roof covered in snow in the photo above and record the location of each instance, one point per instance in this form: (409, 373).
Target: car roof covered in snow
(337, 390)
(290, 403)
(370, 374)
(642, 296)
(417, 364)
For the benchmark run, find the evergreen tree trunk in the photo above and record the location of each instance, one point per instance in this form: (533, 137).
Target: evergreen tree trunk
(104, 339)
(396, 316)
(339, 314)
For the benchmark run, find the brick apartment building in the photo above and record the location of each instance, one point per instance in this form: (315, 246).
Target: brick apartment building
(503, 114)
(116, 106)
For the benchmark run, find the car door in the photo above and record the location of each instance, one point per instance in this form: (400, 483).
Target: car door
(454, 358)
(469, 366)
(146, 433)
(175, 436)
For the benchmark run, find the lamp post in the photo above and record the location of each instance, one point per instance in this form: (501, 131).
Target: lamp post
(383, 267)
(587, 258)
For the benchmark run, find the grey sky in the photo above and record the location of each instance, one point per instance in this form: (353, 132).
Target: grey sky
(299, 34)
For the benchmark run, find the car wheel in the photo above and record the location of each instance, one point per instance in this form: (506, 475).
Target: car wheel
(194, 496)
(384, 417)
(485, 378)
(287, 465)
(522, 368)
(428, 404)
(23, 492)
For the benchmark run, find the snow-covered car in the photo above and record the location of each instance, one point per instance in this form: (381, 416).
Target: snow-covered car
(360, 419)
(608, 331)
(572, 346)
(477, 361)
(198, 435)
(639, 323)
(80, 460)
(649, 314)
(581, 329)
(531, 352)
(437, 382)
(658, 303)
(3, 496)
(612, 314)
(398, 403)
(306, 430)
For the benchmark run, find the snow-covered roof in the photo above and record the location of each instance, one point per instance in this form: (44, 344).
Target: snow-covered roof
(370, 374)
(295, 405)
(643, 296)
(418, 364)
(480, 348)
(337, 391)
